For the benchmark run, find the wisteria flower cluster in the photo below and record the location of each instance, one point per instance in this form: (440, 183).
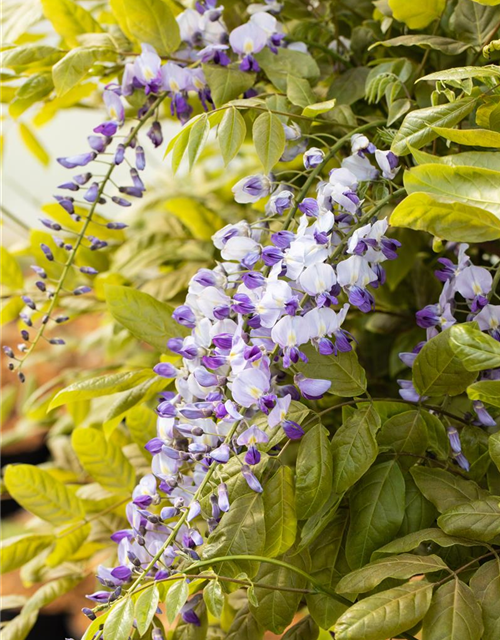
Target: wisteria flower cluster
(250, 318)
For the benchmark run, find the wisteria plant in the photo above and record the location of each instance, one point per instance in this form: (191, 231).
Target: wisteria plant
(292, 425)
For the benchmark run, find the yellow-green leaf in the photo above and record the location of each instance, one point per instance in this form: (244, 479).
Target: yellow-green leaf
(17, 550)
(149, 21)
(446, 219)
(470, 137)
(33, 144)
(197, 139)
(41, 494)
(67, 542)
(10, 272)
(75, 65)
(417, 15)
(314, 110)
(119, 621)
(231, 134)
(70, 19)
(269, 139)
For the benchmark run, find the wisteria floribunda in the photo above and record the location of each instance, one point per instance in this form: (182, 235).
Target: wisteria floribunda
(250, 319)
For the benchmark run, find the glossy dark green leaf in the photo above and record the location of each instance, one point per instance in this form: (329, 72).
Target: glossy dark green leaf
(400, 567)
(420, 513)
(438, 371)
(347, 376)
(386, 614)
(406, 432)
(314, 472)
(241, 531)
(414, 540)
(478, 520)
(278, 66)
(245, 627)
(454, 613)
(485, 584)
(279, 510)
(354, 448)
(444, 489)
(377, 511)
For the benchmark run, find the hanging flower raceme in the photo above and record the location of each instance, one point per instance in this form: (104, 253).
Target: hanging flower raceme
(250, 319)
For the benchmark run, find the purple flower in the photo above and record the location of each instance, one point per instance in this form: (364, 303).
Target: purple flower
(249, 385)
(310, 207)
(251, 189)
(251, 480)
(293, 430)
(184, 316)
(311, 388)
(165, 370)
(115, 110)
(81, 160)
(313, 157)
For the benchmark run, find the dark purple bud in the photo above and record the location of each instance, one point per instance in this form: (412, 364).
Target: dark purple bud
(154, 445)
(77, 161)
(81, 290)
(310, 207)
(89, 613)
(140, 158)
(131, 191)
(82, 178)
(428, 316)
(138, 183)
(41, 272)
(92, 192)
(282, 239)
(122, 203)
(90, 271)
(271, 256)
(57, 341)
(25, 335)
(119, 154)
(293, 430)
(251, 480)
(223, 340)
(165, 370)
(253, 279)
(71, 186)
(21, 376)
(62, 319)
(155, 134)
(50, 225)
(242, 304)
(66, 204)
(26, 319)
(28, 302)
(8, 351)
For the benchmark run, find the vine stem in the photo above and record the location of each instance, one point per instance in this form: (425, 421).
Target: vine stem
(88, 219)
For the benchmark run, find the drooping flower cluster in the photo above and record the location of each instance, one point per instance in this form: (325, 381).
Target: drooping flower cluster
(249, 320)
(465, 297)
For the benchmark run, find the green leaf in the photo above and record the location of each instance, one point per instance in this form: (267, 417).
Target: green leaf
(489, 3)
(179, 148)
(101, 386)
(386, 614)
(417, 15)
(70, 20)
(103, 460)
(29, 55)
(472, 22)
(349, 87)
(414, 540)
(463, 73)
(454, 613)
(377, 511)
(241, 531)
(177, 596)
(476, 350)
(231, 135)
(277, 608)
(214, 598)
(119, 621)
(485, 159)
(141, 423)
(494, 448)
(34, 89)
(485, 584)
(470, 137)
(317, 523)
(354, 448)
(75, 65)
(479, 519)
(269, 139)
(278, 66)
(33, 144)
(67, 542)
(400, 567)
(316, 109)
(279, 510)
(146, 318)
(416, 131)
(445, 490)
(452, 221)
(10, 273)
(405, 432)
(197, 139)
(299, 91)
(486, 391)
(347, 376)
(438, 371)
(151, 22)
(226, 83)
(245, 626)
(305, 629)
(17, 550)
(438, 43)
(41, 494)
(324, 609)
(473, 186)
(314, 472)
